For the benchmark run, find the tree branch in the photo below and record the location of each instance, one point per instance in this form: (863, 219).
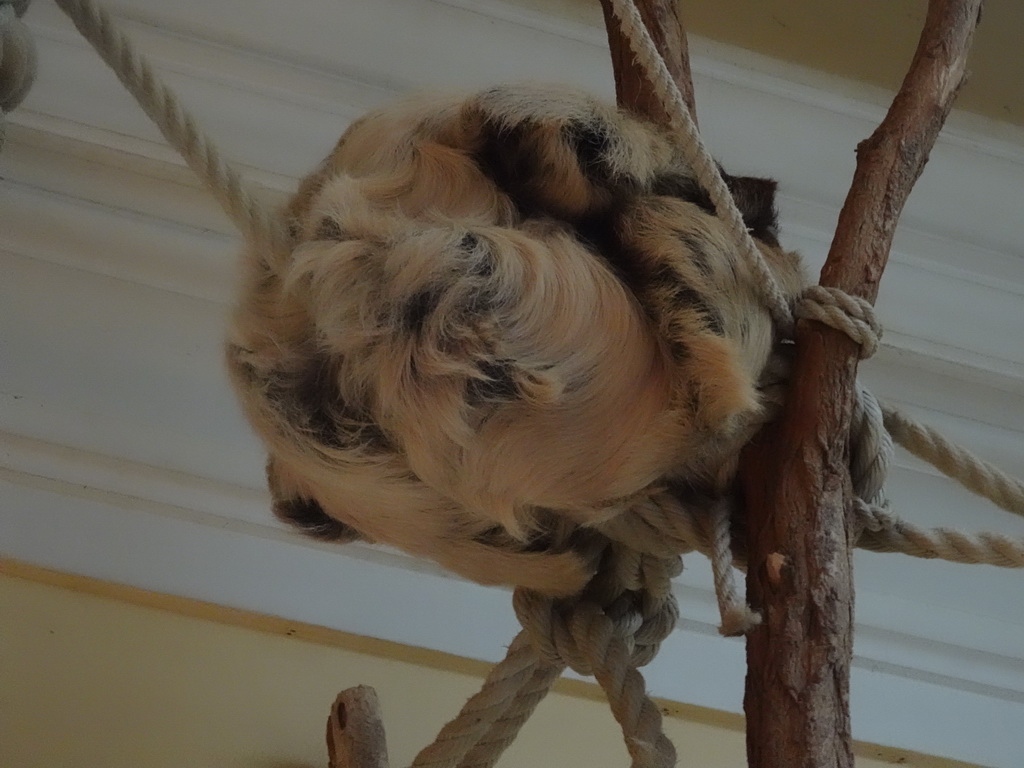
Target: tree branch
(795, 475)
(632, 90)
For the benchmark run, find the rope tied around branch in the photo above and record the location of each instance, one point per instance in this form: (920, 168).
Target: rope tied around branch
(852, 315)
(618, 622)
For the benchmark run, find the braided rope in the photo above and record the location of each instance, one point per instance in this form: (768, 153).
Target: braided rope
(177, 125)
(852, 315)
(737, 617)
(699, 158)
(971, 472)
(661, 525)
(520, 671)
(505, 729)
(871, 452)
(884, 532)
(614, 626)
(624, 687)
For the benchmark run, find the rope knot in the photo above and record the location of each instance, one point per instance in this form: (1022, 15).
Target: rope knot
(852, 315)
(628, 604)
(873, 518)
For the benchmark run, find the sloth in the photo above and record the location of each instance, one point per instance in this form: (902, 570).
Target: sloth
(502, 318)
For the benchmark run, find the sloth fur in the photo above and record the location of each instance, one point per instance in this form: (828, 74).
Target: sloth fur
(500, 314)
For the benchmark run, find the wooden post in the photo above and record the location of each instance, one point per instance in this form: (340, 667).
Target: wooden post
(795, 475)
(355, 733)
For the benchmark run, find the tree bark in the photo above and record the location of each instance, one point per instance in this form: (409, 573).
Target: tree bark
(355, 733)
(795, 474)
(632, 89)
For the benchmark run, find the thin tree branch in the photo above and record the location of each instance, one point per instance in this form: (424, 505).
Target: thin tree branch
(795, 475)
(632, 90)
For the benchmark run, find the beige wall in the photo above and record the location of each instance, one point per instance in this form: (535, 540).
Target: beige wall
(97, 676)
(871, 41)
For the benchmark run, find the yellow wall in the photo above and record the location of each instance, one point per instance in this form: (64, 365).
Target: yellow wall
(869, 40)
(99, 676)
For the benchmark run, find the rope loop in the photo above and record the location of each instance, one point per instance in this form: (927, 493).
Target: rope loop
(620, 619)
(614, 626)
(852, 315)
(671, 522)
(871, 447)
(631, 591)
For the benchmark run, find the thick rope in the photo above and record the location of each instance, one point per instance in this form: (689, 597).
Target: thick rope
(852, 315)
(623, 685)
(616, 625)
(958, 463)
(883, 532)
(178, 126)
(505, 729)
(871, 447)
(619, 622)
(520, 672)
(642, 608)
(17, 59)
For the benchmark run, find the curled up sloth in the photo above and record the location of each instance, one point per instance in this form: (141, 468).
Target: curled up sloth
(499, 314)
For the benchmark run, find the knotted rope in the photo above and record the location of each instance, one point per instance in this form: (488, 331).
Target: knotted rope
(619, 621)
(871, 445)
(852, 315)
(616, 625)
(17, 59)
